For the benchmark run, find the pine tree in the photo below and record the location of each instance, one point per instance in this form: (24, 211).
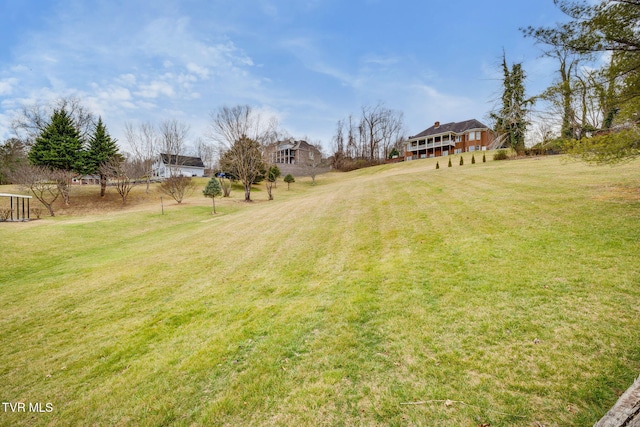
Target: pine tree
(450, 162)
(212, 190)
(437, 165)
(511, 119)
(102, 148)
(473, 159)
(461, 160)
(289, 179)
(59, 145)
(484, 158)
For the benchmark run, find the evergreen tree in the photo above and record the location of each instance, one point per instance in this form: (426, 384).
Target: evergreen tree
(450, 162)
(473, 159)
(511, 119)
(102, 148)
(59, 145)
(437, 165)
(212, 190)
(461, 160)
(289, 179)
(484, 158)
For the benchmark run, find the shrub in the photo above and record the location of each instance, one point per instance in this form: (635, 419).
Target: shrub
(484, 158)
(36, 212)
(500, 155)
(461, 160)
(177, 187)
(289, 179)
(5, 214)
(437, 165)
(473, 159)
(450, 162)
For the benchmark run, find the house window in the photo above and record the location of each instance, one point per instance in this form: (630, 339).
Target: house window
(472, 148)
(473, 136)
(458, 138)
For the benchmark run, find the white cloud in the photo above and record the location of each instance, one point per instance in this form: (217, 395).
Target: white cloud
(7, 85)
(201, 72)
(155, 89)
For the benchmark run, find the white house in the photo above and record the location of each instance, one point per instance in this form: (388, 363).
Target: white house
(171, 165)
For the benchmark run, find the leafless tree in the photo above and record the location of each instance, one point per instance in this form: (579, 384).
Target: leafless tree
(230, 124)
(144, 141)
(124, 174)
(32, 119)
(313, 161)
(379, 128)
(178, 187)
(207, 152)
(173, 138)
(225, 184)
(40, 181)
(244, 161)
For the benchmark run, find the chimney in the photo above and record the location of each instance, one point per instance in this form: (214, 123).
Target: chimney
(437, 125)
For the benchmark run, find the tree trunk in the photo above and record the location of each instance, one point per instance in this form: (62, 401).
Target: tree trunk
(626, 411)
(103, 185)
(213, 200)
(247, 192)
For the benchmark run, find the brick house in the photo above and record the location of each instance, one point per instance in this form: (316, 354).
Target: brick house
(449, 138)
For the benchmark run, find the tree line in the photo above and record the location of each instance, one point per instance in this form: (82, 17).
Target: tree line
(54, 144)
(592, 109)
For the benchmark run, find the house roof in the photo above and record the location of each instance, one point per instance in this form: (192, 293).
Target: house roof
(291, 144)
(195, 162)
(454, 127)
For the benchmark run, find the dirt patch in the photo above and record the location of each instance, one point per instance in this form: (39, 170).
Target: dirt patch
(624, 193)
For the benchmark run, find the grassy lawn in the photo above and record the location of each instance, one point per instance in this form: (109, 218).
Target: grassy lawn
(510, 289)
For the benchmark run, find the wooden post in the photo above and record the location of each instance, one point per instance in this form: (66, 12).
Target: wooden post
(626, 411)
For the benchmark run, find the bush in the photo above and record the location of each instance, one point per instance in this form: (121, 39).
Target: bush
(289, 179)
(5, 214)
(437, 165)
(500, 155)
(461, 160)
(450, 162)
(473, 159)
(484, 158)
(36, 212)
(177, 187)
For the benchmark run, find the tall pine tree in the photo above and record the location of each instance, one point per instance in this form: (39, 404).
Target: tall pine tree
(59, 145)
(102, 148)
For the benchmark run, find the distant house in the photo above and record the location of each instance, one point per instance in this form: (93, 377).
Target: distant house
(85, 179)
(171, 165)
(449, 138)
(293, 152)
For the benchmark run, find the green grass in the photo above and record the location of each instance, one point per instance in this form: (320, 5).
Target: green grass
(511, 286)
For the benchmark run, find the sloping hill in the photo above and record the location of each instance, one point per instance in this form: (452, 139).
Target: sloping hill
(509, 286)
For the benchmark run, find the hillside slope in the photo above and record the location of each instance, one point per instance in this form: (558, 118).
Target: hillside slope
(509, 286)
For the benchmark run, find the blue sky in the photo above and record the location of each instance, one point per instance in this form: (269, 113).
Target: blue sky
(307, 62)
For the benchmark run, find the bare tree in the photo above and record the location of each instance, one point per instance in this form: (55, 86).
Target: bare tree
(207, 152)
(313, 161)
(379, 128)
(230, 124)
(244, 161)
(124, 174)
(144, 142)
(40, 181)
(173, 138)
(33, 119)
(178, 187)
